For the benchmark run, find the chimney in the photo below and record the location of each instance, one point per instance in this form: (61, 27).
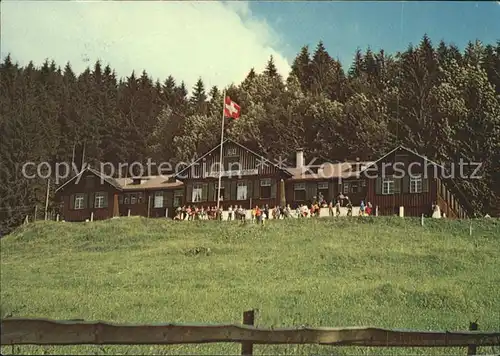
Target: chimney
(299, 158)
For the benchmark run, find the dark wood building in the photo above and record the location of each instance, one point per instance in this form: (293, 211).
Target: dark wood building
(92, 195)
(248, 179)
(403, 178)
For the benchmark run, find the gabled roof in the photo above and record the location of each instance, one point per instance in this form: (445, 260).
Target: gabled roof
(151, 182)
(402, 148)
(263, 159)
(108, 180)
(327, 170)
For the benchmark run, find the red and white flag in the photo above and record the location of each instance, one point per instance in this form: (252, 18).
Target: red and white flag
(231, 109)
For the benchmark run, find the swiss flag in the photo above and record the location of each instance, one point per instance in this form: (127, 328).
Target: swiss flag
(231, 109)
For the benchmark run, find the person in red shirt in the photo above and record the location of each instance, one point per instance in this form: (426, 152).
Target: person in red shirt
(258, 214)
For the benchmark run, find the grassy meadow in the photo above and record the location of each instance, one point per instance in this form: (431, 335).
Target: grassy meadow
(383, 272)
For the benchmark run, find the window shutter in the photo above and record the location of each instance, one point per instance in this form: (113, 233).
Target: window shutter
(273, 190)
(233, 190)
(256, 189)
(425, 185)
(105, 200)
(378, 186)
(72, 201)
(406, 183)
(249, 184)
(204, 192)
(397, 185)
(167, 198)
(189, 192)
(89, 201)
(311, 189)
(227, 190)
(212, 193)
(331, 191)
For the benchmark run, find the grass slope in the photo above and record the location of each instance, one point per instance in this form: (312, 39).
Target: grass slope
(385, 272)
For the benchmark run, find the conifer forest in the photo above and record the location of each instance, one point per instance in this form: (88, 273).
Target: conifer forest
(434, 98)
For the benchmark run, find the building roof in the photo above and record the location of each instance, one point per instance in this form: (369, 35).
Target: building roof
(105, 178)
(151, 182)
(262, 158)
(402, 148)
(328, 171)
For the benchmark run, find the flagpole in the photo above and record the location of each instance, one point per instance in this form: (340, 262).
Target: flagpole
(221, 143)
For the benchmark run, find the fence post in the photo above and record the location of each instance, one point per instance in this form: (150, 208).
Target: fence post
(422, 221)
(472, 348)
(248, 319)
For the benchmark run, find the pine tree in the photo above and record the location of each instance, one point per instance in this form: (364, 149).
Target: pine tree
(357, 66)
(271, 71)
(301, 68)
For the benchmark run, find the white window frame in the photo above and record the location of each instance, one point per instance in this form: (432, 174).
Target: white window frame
(216, 191)
(241, 185)
(388, 186)
(323, 186)
(99, 200)
(79, 203)
(265, 182)
(346, 188)
(416, 184)
(231, 152)
(133, 198)
(299, 186)
(158, 200)
(197, 187)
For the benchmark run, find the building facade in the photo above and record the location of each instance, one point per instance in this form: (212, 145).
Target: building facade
(249, 180)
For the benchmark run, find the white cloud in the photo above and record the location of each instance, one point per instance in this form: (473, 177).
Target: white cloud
(218, 41)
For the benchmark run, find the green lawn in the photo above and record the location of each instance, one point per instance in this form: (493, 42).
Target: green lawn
(383, 272)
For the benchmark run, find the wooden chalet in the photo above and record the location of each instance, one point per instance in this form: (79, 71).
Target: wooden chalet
(327, 179)
(248, 179)
(93, 195)
(403, 178)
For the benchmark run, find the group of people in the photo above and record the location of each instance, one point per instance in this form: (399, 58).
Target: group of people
(260, 214)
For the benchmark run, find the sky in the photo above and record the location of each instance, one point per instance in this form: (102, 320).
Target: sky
(221, 41)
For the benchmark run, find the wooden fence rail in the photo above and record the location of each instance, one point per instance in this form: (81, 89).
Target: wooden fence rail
(17, 331)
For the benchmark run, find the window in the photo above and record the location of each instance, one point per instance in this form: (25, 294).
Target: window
(126, 199)
(79, 201)
(322, 185)
(415, 184)
(133, 199)
(299, 191)
(323, 190)
(353, 187)
(232, 164)
(265, 188)
(139, 198)
(197, 193)
(100, 200)
(241, 191)
(231, 151)
(388, 186)
(120, 199)
(158, 203)
(178, 195)
(217, 190)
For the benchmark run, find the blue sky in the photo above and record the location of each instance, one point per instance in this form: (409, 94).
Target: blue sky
(344, 26)
(221, 41)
